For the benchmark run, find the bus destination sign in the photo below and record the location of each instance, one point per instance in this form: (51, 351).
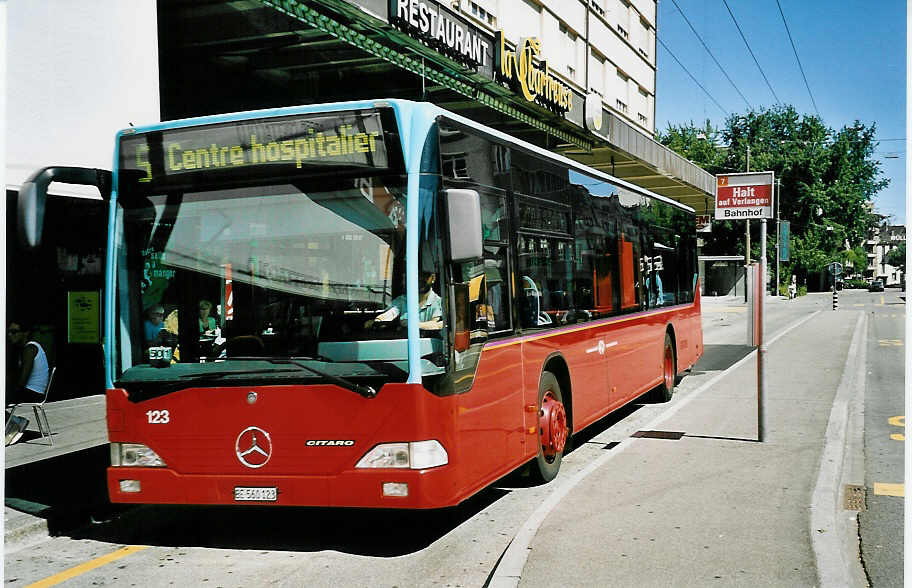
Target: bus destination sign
(292, 144)
(744, 196)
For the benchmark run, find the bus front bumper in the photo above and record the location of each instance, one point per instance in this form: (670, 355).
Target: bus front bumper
(388, 488)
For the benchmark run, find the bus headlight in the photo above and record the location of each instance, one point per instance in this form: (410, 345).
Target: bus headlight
(134, 455)
(417, 455)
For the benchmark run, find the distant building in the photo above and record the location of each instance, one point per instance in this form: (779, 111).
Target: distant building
(883, 238)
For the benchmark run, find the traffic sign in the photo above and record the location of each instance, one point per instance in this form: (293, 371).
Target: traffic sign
(744, 196)
(784, 228)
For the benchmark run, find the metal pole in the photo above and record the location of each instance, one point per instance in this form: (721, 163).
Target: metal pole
(778, 234)
(761, 352)
(747, 235)
(835, 294)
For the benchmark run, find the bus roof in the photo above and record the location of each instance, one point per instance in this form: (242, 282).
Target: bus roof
(403, 105)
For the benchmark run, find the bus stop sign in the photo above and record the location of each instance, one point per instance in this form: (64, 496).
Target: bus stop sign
(744, 196)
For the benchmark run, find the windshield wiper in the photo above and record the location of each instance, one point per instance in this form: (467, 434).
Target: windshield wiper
(365, 391)
(217, 375)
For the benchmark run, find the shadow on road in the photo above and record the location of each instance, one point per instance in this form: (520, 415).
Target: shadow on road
(378, 533)
(65, 490)
(720, 357)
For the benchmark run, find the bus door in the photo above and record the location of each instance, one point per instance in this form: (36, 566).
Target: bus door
(490, 423)
(628, 363)
(597, 296)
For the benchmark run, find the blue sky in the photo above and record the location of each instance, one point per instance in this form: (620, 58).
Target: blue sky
(853, 54)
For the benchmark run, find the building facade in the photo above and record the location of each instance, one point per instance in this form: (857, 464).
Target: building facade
(882, 239)
(607, 47)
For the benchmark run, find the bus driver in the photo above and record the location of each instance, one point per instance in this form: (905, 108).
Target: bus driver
(430, 310)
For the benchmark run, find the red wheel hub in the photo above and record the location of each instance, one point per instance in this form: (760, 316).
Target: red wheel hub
(669, 367)
(552, 424)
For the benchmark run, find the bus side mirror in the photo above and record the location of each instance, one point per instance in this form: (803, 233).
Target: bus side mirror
(464, 216)
(33, 196)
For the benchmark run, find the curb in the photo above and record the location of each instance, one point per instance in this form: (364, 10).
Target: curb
(22, 530)
(831, 527)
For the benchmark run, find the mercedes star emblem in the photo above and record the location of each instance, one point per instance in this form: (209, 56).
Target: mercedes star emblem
(253, 447)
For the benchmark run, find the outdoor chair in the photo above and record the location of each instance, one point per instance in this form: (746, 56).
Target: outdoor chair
(38, 407)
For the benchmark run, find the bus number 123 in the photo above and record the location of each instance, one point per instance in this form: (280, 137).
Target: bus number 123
(158, 417)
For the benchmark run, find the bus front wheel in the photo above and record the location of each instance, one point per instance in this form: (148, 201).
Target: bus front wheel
(669, 371)
(553, 429)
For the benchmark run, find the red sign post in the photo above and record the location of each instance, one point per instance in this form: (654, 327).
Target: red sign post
(747, 196)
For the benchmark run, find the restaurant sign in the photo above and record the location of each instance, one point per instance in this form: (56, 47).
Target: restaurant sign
(441, 30)
(523, 70)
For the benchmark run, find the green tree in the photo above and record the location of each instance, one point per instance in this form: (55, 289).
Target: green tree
(828, 178)
(897, 257)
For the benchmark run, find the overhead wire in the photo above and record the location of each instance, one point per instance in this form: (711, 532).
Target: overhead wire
(687, 20)
(743, 38)
(705, 91)
(798, 59)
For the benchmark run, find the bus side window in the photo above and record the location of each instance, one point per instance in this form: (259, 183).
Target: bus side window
(498, 303)
(629, 254)
(686, 267)
(546, 283)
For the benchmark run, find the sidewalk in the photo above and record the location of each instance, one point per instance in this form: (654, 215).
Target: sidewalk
(718, 507)
(76, 424)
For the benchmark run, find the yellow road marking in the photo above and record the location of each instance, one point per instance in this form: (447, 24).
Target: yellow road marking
(890, 342)
(898, 437)
(859, 305)
(897, 421)
(881, 300)
(87, 566)
(890, 489)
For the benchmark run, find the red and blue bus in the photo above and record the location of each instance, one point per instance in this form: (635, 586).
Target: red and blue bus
(261, 269)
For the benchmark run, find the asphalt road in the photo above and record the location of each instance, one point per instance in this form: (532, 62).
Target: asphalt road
(881, 524)
(164, 546)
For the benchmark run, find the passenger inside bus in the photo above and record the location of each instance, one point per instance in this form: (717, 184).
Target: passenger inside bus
(152, 325)
(430, 309)
(206, 322)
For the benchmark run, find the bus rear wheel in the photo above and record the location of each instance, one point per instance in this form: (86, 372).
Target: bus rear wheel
(553, 429)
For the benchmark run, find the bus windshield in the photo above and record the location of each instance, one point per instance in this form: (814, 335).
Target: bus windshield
(217, 278)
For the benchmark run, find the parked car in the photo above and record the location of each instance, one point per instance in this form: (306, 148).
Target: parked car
(876, 286)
